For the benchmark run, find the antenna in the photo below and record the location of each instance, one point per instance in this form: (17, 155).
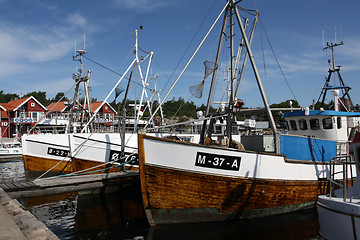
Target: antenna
(340, 30)
(84, 41)
(323, 37)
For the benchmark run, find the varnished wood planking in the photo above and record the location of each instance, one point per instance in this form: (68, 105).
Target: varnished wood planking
(44, 164)
(168, 189)
(96, 167)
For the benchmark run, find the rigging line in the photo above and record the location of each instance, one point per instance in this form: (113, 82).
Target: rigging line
(263, 55)
(188, 63)
(181, 106)
(246, 10)
(287, 83)
(311, 15)
(114, 71)
(143, 50)
(190, 43)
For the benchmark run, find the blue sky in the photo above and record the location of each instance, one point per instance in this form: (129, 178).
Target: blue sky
(37, 41)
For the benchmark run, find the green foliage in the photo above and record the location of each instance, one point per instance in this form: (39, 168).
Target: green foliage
(203, 109)
(40, 96)
(278, 114)
(59, 96)
(286, 104)
(7, 97)
(179, 108)
(328, 106)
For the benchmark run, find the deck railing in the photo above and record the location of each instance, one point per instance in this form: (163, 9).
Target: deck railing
(347, 162)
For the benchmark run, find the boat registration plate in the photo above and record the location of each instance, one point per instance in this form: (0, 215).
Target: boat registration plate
(57, 152)
(209, 160)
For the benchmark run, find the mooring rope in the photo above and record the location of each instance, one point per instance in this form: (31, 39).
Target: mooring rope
(83, 172)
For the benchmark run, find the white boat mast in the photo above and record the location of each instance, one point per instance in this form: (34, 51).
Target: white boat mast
(135, 64)
(86, 108)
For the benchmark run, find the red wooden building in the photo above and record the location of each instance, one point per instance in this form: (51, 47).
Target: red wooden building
(19, 115)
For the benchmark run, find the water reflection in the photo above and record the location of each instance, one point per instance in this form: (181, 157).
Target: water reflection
(301, 225)
(12, 171)
(102, 216)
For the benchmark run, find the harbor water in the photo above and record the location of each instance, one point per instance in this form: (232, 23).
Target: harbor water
(120, 215)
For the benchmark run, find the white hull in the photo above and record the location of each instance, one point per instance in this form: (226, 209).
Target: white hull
(338, 219)
(85, 146)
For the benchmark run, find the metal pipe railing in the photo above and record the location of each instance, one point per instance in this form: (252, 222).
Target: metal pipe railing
(345, 161)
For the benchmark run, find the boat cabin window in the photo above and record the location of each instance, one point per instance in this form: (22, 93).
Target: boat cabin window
(303, 124)
(314, 124)
(339, 122)
(287, 125)
(293, 125)
(327, 123)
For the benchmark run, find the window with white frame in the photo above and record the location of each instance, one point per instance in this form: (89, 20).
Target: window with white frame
(34, 115)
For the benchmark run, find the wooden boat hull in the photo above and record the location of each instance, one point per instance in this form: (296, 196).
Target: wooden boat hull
(40, 164)
(175, 190)
(180, 196)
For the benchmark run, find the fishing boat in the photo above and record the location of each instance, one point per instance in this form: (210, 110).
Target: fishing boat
(339, 211)
(259, 176)
(10, 150)
(80, 147)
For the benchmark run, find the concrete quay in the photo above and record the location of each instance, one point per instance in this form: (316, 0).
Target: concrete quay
(17, 223)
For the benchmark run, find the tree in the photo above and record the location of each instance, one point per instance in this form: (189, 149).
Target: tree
(40, 96)
(58, 96)
(7, 97)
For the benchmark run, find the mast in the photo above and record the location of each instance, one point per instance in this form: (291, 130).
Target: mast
(334, 69)
(246, 56)
(79, 78)
(232, 74)
(217, 59)
(256, 73)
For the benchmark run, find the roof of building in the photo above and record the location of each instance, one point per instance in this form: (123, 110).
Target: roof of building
(96, 105)
(15, 104)
(57, 107)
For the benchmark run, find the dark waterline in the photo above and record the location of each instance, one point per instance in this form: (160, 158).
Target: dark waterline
(120, 215)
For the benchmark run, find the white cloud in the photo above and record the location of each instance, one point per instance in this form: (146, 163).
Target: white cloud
(51, 87)
(143, 5)
(77, 20)
(32, 44)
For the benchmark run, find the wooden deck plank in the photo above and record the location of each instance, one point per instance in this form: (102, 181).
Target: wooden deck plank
(49, 182)
(18, 185)
(11, 186)
(4, 186)
(51, 186)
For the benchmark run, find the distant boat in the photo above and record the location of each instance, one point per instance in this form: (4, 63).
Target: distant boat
(10, 150)
(218, 180)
